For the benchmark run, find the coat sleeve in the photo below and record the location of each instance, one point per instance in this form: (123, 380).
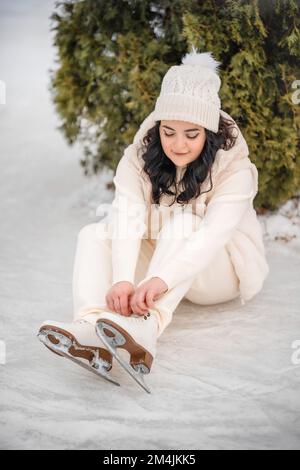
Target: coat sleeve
(128, 217)
(225, 210)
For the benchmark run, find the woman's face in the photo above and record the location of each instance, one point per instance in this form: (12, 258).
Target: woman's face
(181, 141)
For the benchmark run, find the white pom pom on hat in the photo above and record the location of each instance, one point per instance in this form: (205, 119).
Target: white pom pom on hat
(204, 59)
(189, 92)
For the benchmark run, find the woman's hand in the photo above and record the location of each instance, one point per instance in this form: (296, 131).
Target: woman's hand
(118, 297)
(146, 293)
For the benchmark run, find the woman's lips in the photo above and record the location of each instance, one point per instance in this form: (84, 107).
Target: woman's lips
(181, 154)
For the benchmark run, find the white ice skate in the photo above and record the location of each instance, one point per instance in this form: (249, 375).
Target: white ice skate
(78, 342)
(137, 335)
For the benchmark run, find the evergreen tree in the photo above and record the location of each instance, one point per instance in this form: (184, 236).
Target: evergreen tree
(112, 56)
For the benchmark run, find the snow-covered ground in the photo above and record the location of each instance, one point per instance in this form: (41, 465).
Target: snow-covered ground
(223, 376)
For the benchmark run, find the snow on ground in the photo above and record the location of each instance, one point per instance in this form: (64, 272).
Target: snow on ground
(223, 376)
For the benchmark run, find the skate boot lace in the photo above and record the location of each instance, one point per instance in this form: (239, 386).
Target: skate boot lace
(81, 321)
(140, 318)
(136, 319)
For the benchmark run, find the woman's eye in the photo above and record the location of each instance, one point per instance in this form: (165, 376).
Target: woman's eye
(194, 137)
(189, 137)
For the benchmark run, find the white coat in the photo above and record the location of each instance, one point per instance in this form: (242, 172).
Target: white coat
(229, 218)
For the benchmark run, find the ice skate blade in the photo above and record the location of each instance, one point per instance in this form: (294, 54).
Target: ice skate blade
(62, 349)
(138, 377)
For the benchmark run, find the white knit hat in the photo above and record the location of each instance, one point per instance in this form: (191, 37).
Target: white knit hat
(189, 92)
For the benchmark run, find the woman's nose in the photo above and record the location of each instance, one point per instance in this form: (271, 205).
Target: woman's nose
(180, 146)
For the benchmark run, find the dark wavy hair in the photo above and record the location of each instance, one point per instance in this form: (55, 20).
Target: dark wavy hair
(162, 171)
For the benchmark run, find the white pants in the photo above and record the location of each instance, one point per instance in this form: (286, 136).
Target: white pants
(92, 274)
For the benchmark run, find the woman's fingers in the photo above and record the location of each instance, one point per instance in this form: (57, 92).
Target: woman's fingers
(138, 305)
(149, 299)
(124, 300)
(119, 304)
(118, 298)
(143, 306)
(117, 307)
(110, 303)
(124, 305)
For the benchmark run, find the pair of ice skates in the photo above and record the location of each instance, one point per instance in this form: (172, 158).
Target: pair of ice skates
(92, 342)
